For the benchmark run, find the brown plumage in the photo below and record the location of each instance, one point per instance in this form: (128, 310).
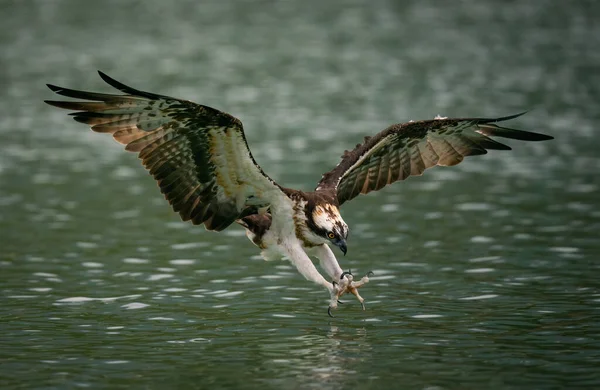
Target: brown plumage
(182, 144)
(258, 225)
(408, 149)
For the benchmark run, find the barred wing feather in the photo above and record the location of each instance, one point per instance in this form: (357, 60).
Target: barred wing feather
(197, 154)
(408, 149)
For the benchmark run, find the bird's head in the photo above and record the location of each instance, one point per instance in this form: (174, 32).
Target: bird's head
(326, 222)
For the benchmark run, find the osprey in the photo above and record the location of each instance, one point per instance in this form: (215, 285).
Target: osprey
(200, 158)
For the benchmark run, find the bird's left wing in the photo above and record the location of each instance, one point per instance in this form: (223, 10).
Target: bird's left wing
(407, 149)
(197, 154)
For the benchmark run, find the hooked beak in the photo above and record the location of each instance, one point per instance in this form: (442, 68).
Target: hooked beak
(342, 245)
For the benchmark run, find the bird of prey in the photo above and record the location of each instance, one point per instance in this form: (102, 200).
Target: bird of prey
(203, 166)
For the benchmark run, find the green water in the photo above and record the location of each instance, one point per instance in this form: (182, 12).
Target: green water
(486, 273)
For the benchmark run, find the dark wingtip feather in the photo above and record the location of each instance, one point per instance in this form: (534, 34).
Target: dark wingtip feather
(531, 136)
(73, 93)
(521, 135)
(509, 117)
(125, 88)
(54, 88)
(500, 146)
(65, 105)
(487, 128)
(114, 83)
(81, 119)
(500, 119)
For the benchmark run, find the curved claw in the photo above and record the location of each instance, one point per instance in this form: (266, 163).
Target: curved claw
(349, 272)
(333, 282)
(329, 312)
(340, 302)
(370, 273)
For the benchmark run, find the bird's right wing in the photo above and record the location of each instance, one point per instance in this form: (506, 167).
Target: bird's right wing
(408, 149)
(197, 154)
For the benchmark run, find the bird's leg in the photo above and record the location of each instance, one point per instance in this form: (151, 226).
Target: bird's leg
(328, 261)
(354, 291)
(352, 287)
(343, 281)
(364, 280)
(340, 287)
(333, 302)
(305, 266)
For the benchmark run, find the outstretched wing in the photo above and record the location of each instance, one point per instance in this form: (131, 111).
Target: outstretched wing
(407, 149)
(197, 154)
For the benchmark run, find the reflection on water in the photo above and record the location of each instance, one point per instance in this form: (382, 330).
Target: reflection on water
(485, 273)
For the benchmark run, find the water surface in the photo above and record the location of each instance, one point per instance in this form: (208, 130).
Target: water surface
(486, 273)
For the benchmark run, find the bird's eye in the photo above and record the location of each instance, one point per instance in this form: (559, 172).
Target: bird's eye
(331, 235)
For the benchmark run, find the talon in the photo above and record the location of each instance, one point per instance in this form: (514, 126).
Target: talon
(329, 312)
(334, 283)
(363, 305)
(340, 302)
(349, 272)
(370, 273)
